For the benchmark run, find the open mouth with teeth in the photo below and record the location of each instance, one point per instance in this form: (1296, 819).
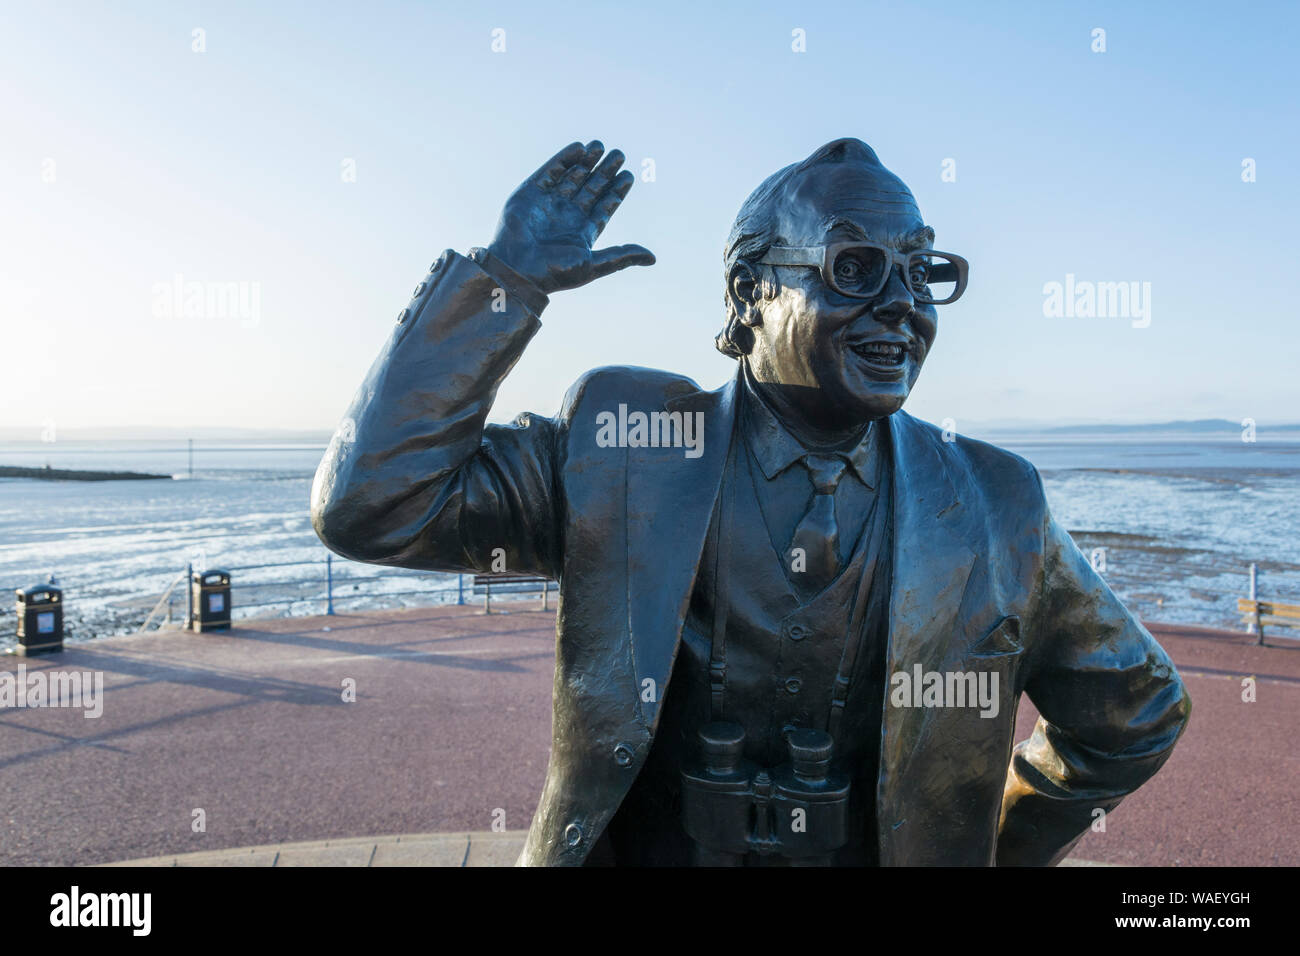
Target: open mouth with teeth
(885, 355)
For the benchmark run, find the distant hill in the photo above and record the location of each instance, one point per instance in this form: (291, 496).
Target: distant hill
(151, 433)
(1203, 426)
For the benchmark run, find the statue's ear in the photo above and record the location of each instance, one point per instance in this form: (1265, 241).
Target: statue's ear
(745, 291)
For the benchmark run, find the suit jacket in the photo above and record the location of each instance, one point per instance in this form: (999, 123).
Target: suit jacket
(984, 580)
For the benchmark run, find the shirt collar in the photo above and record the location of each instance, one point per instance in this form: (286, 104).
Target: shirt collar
(776, 449)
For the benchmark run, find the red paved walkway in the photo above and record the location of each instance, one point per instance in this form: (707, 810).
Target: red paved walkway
(452, 723)
(1228, 795)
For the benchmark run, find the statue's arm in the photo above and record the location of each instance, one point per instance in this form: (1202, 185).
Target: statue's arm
(1112, 707)
(414, 477)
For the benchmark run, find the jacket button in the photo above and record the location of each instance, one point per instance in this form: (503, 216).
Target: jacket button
(573, 834)
(796, 632)
(623, 755)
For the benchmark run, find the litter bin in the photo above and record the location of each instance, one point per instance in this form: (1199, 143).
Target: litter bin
(40, 620)
(211, 593)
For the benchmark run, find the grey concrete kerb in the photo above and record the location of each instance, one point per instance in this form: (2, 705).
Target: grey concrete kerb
(415, 849)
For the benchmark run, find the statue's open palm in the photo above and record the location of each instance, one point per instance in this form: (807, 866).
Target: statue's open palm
(551, 222)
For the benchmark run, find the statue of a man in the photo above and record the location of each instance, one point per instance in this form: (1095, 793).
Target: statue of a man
(795, 622)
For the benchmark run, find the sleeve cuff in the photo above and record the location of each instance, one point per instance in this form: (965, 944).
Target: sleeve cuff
(533, 298)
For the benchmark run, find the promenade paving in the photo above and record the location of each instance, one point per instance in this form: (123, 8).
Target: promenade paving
(407, 737)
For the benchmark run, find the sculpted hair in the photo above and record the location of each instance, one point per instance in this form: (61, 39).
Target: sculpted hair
(755, 231)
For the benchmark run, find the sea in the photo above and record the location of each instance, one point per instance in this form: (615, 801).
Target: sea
(1171, 523)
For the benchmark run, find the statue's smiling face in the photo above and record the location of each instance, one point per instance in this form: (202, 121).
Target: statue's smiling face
(844, 361)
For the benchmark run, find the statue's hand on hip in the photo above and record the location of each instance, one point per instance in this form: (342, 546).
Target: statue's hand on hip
(551, 222)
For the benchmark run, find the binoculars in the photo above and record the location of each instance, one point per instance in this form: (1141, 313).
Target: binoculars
(731, 807)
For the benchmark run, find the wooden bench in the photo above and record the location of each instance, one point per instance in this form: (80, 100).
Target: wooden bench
(1273, 613)
(489, 584)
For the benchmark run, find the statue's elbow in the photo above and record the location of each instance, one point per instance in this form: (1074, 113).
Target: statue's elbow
(1183, 708)
(334, 532)
(1167, 729)
(334, 520)
(355, 529)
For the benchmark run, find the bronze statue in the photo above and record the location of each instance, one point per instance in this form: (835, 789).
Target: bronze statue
(795, 622)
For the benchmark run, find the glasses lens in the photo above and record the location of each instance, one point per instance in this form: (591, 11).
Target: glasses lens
(859, 270)
(933, 276)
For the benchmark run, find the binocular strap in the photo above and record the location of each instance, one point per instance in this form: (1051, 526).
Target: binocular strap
(721, 576)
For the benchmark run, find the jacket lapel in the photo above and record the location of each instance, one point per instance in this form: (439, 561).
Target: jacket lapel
(670, 500)
(669, 506)
(931, 564)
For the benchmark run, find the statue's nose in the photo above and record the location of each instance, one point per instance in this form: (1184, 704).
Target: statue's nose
(895, 303)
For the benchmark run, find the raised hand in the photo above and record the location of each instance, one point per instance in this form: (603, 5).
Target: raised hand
(551, 221)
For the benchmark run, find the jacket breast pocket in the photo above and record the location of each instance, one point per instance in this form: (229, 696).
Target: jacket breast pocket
(1000, 643)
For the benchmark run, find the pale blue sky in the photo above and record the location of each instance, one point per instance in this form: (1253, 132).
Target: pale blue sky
(224, 166)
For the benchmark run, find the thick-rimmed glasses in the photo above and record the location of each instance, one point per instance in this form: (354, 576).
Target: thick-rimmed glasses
(860, 270)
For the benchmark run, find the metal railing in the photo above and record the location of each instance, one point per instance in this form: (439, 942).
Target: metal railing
(334, 583)
(166, 596)
(329, 585)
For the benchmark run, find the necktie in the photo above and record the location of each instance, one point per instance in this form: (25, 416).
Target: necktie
(816, 535)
